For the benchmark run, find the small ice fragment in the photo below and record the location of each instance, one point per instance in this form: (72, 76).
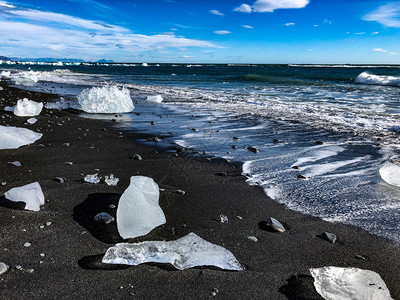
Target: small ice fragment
(187, 252)
(349, 283)
(31, 194)
(31, 120)
(252, 238)
(27, 244)
(3, 268)
(1, 88)
(103, 218)
(113, 181)
(390, 173)
(223, 218)
(15, 137)
(9, 108)
(106, 99)
(138, 210)
(92, 178)
(69, 163)
(154, 99)
(15, 163)
(27, 108)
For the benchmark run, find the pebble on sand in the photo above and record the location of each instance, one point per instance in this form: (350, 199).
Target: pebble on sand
(252, 149)
(3, 268)
(327, 236)
(275, 225)
(103, 218)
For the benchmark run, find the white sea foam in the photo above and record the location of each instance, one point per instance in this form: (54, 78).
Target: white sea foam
(5, 74)
(321, 169)
(106, 99)
(26, 78)
(154, 99)
(367, 78)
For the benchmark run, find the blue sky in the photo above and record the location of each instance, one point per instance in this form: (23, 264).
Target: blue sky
(203, 31)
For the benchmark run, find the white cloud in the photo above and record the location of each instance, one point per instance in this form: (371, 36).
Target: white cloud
(271, 5)
(216, 12)
(247, 26)
(289, 24)
(243, 8)
(6, 4)
(315, 25)
(376, 32)
(222, 32)
(392, 53)
(380, 50)
(359, 33)
(328, 22)
(387, 15)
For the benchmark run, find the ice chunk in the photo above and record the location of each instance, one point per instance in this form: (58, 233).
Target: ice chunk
(187, 252)
(31, 120)
(390, 172)
(27, 79)
(15, 137)
(1, 88)
(9, 108)
(138, 210)
(31, 194)
(106, 99)
(5, 74)
(92, 178)
(27, 108)
(349, 283)
(154, 99)
(113, 181)
(60, 105)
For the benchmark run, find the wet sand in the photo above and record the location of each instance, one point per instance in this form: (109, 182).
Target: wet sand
(66, 255)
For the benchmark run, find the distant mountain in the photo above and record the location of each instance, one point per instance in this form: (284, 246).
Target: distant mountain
(48, 59)
(110, 61)
(3, 58)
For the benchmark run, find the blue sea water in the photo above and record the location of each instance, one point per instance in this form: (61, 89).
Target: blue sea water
(323, 131)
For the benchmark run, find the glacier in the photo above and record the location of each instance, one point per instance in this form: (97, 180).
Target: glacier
(15, 137)
(187, 252)
(105, 100)
(138, 210)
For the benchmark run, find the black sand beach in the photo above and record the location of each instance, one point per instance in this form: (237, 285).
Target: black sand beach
(66, 255)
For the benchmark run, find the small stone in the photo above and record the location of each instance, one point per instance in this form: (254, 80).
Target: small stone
(223, 218)
(29, 270)
(15, 163)
(18, 267)
(67, 144)
(275, 141)
(103, 218)
(252, 238)
(319, 142)
(60, 179)
(152, 123)
(41, 226)
(301, 177)
(235, 138)
(27, 244)
(48, 223)
(360, 257)
(234, 146)
(223, 174)
(69, 163)
(112, 206)
(180, 192)
(252, 149)
(275, 225)
(172, 230)
(296, 167)
(157, 139)
(3, 268)
(137, 157)
(327, 236)
(214, 292)
(239, 217)
(207, 159)
(4, 183)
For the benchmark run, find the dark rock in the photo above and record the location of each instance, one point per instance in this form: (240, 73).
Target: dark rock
(252, 149)
(319, 142)
(137, 157)
(360, 257)
(275, 141)
(60, 179)
(275, 225)
(234, 147)
(327, 236)
(103, 218)
(223, 174)
(301, 177)
(180, 192)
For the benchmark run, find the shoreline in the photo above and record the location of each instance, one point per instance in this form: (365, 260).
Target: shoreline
(74, 244)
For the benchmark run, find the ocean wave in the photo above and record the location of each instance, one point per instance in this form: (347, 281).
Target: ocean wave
(367, 78)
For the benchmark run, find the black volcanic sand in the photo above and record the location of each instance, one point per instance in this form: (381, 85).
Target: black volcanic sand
(66, 256)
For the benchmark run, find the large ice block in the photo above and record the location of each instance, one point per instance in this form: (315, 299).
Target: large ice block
(15, 137)
(334, 283)
(138, 210)
(27, 108)
(390, 172)
(187, 252)
(105, 100)
(31, 194)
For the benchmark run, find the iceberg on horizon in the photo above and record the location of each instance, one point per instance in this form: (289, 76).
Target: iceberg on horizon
(334, 283)
(27, 108)
(138, 210)
(187, 252)
(31, 194)
(15, 137)
(105, 100)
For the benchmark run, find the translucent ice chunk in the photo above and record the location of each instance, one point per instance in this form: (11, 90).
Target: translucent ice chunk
(31, 194)
(106, 99)
(31, 120)
(92, 178)
(27, 79)
(15, 137)
(349, 283)
(155, 99)
(184, 253)
(138, 210)
(390, 172)
(27, 108)
(113, 181)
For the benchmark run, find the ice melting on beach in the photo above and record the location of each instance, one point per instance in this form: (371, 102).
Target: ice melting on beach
(27, 108)
(15, 137)
(390, 172)
(111, 180)
(154, 99)
(138, 210)
(92, 178)
(28, 79)
(334, 283)
(187, 252)
(31, 194)
(105, 100)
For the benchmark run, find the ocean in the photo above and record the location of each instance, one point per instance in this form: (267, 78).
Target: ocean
(322, 131)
